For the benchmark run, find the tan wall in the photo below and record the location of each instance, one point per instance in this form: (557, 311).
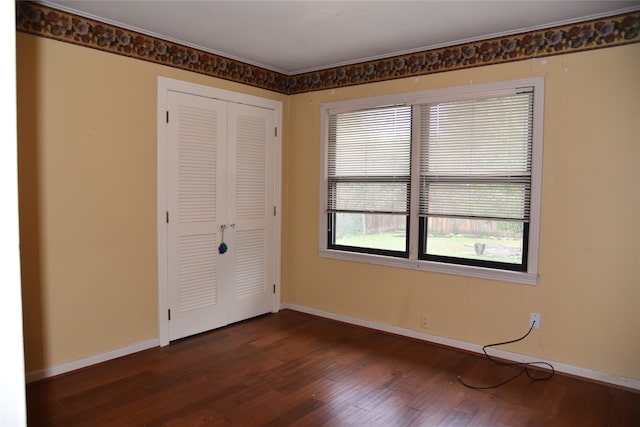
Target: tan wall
(87, 142)
(589, 287)
(87, 182)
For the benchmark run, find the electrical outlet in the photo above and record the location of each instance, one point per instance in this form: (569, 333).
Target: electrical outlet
(534, 317)
(424, 321)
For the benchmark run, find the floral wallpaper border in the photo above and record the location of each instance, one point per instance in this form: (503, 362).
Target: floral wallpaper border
(34, 18)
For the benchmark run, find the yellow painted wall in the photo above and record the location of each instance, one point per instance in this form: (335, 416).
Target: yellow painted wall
(87, 153)
(589, 287)
(87, 183)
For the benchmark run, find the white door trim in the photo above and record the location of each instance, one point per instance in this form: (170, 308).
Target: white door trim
(164, 85)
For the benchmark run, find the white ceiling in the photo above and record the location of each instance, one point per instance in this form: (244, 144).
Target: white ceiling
(292, 37)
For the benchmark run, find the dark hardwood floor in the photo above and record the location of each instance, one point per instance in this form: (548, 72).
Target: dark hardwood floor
(292, 369)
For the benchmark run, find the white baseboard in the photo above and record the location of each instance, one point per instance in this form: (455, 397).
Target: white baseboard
(91, 360)
(604, 377)
(577, 371)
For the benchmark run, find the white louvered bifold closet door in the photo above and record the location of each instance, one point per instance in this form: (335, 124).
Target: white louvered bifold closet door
(196, 181)
(251, 196)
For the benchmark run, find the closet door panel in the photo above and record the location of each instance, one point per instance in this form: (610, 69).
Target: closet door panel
(251, 198)
(196, 180)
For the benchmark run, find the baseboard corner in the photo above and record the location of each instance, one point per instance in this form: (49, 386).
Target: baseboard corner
(91, 360)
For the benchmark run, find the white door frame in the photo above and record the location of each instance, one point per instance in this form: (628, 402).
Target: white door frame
(166, 84)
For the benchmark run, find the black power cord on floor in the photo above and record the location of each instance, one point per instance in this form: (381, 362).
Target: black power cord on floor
(526, 366)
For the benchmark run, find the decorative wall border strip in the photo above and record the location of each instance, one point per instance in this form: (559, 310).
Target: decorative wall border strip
(608, 32)
(34, 18)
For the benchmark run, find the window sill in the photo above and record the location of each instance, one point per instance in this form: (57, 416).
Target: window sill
(436, 267)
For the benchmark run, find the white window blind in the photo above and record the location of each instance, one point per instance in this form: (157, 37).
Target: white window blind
(369, 161)
(476, 157)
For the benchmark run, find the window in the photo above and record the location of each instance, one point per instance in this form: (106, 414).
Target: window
(445, 180)
(369, 180)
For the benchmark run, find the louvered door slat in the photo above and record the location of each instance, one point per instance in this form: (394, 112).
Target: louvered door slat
(197, 275)
(251, 167)
(197, 163)
(250, 265)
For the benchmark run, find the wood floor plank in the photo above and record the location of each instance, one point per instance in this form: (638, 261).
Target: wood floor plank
(293, 369)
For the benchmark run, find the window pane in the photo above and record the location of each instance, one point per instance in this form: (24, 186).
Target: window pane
(496, 241)
(370, 143)
(478, 137)
(490, 200)
(373, 231)
(476, 158)
(369, 161)
(386, 197)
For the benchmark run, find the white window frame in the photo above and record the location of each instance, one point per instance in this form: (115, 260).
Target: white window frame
(530, 277)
